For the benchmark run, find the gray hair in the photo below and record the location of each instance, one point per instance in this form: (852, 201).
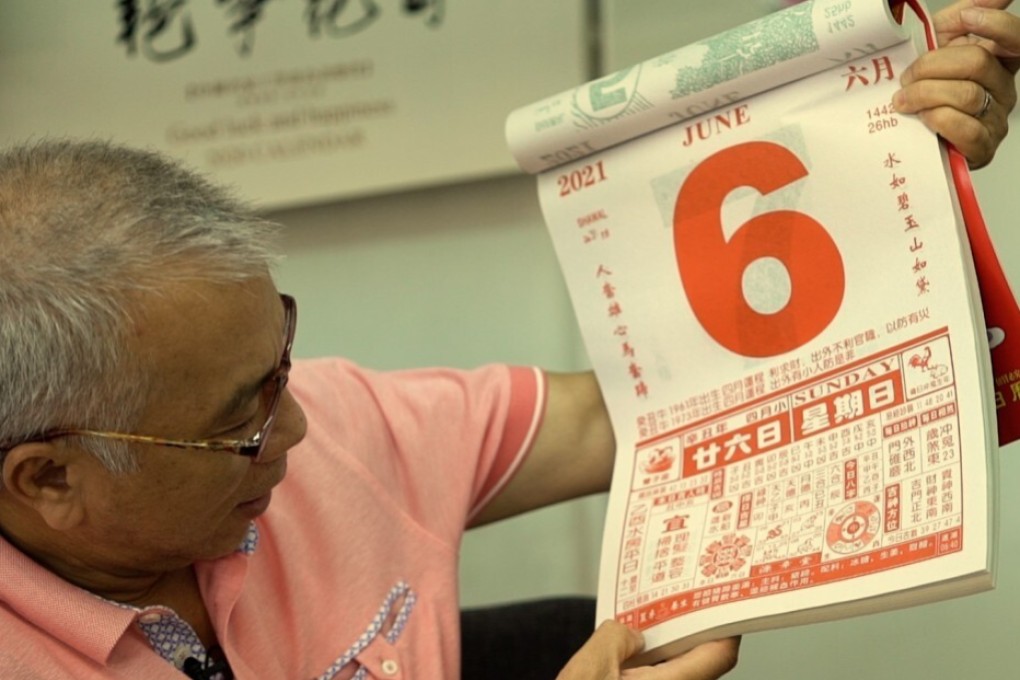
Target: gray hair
(84, 228)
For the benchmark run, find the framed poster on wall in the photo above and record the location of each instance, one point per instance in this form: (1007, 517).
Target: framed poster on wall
(290, 101)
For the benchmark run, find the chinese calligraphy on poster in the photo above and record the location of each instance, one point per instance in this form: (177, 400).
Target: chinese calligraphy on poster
(291, 101)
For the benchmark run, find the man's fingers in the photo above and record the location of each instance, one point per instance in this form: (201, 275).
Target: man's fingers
(984, 23)
(712, 659)
(967, 69)
(969, 135)
(707, 661)
(947, 89)
(602, 655)
(999, 28)
(963, 17)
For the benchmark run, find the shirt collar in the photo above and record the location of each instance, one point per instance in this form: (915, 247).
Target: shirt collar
(63, 611)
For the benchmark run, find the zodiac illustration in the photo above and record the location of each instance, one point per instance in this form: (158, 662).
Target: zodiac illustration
(661, 460)
(853, 527)
(922, 361)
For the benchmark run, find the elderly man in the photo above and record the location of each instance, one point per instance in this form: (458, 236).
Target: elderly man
(179, 500)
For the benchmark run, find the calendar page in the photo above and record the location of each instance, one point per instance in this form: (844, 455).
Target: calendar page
(780, 304)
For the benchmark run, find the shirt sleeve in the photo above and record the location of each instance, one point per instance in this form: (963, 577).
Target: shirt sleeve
(440, 443)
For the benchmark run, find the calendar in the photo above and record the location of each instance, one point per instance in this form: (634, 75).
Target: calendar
(772, 273)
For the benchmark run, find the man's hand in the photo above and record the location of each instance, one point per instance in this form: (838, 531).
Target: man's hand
(613, 643)
(966, 89)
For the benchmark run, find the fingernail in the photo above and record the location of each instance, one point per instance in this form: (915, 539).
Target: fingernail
(898, 100)
(972, 16)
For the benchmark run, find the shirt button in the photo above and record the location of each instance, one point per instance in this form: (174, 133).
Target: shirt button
(181, 654)
(151, 617)
(390, 667)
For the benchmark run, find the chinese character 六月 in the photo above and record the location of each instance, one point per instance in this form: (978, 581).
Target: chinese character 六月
(882, 69)
(856, 74)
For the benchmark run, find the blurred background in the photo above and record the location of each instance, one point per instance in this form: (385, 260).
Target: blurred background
(455, 268)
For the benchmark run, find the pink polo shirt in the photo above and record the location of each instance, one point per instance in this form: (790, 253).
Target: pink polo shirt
(352, 573)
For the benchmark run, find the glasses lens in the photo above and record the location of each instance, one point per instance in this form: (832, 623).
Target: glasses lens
(274, 387)
(271, 398)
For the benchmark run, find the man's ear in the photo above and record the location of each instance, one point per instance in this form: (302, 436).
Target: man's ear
(45, 477)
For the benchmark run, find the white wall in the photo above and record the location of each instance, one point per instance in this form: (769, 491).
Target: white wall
(465, 274)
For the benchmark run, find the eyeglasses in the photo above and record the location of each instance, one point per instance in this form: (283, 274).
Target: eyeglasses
(252, 448)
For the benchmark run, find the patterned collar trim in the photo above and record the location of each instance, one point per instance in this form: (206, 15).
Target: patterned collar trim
(250, 542)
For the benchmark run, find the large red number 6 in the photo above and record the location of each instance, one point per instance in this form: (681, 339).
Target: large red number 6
(712, 269)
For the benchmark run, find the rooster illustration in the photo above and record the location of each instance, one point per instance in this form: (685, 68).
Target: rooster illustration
(921, 362)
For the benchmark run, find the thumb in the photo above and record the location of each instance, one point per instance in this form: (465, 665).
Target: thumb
(601, 656)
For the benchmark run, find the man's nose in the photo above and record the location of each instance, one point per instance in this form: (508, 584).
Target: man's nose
(289, 430)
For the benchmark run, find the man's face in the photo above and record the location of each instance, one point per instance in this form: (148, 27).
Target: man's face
(209, 348)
